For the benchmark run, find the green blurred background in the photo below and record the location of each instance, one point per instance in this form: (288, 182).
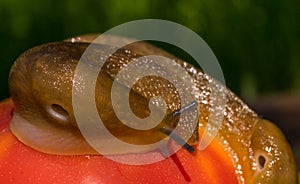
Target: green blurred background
(257, 42)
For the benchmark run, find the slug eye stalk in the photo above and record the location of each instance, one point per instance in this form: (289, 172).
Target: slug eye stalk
(174, 135)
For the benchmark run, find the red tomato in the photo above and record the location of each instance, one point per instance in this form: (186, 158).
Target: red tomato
(21, 164)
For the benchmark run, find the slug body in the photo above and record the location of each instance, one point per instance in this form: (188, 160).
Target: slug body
(41, 87)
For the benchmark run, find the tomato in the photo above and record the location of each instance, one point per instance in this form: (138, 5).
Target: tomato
(21, 164)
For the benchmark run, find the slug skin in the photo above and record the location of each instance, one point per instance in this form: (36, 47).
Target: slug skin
(41, 88)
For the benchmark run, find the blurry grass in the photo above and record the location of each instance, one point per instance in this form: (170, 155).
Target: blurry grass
(256, 42)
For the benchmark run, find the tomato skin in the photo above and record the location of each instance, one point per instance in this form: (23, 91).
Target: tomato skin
(21, 164)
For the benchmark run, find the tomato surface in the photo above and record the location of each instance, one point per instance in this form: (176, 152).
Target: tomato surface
(21, 164)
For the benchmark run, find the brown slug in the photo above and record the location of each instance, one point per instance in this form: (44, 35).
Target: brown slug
(41, 82)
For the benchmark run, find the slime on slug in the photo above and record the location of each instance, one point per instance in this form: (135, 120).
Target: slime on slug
(41, 88)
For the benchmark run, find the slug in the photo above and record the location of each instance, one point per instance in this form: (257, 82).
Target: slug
(41, 82)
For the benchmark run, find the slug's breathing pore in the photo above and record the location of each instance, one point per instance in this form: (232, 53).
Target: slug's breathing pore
(41, 82)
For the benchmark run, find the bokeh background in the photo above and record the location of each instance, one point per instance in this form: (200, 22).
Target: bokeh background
(257, 42)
